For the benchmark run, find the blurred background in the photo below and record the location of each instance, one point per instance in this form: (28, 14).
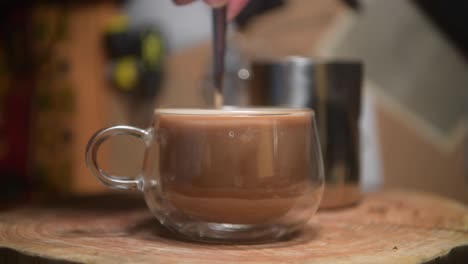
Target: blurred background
(69, 68)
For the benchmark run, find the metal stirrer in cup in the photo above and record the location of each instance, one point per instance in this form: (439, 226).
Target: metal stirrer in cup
(219, 47)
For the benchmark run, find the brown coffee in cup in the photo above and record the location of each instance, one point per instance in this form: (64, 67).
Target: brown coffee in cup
(236, 169)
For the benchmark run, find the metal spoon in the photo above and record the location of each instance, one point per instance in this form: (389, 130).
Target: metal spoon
(219, 50)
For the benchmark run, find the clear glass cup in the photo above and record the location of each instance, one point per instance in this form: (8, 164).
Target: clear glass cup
(230, 175)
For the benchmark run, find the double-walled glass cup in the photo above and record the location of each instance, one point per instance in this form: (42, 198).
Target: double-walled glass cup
(230, 175)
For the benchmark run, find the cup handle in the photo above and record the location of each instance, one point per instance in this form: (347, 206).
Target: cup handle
(92, 148)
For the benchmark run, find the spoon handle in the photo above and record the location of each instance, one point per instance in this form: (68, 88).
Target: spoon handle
(219, 49)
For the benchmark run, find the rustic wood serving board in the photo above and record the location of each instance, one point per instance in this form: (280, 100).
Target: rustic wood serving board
(388, 227)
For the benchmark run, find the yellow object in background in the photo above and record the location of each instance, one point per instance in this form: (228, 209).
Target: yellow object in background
(126, 73)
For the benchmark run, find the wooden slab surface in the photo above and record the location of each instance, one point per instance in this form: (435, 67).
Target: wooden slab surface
(387, 227)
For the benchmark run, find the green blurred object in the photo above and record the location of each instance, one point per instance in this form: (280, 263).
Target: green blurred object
(135, 57)
(152, 50)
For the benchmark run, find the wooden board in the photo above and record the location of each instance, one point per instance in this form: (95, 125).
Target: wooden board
(388, 227)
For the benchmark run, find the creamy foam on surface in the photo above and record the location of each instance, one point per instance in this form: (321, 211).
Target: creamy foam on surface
(233, 111)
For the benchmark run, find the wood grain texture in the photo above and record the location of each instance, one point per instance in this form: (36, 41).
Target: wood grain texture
(388, 227)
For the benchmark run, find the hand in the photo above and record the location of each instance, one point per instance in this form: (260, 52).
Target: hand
(235, 6)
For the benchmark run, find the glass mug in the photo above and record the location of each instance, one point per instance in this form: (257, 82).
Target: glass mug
(228, 175)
